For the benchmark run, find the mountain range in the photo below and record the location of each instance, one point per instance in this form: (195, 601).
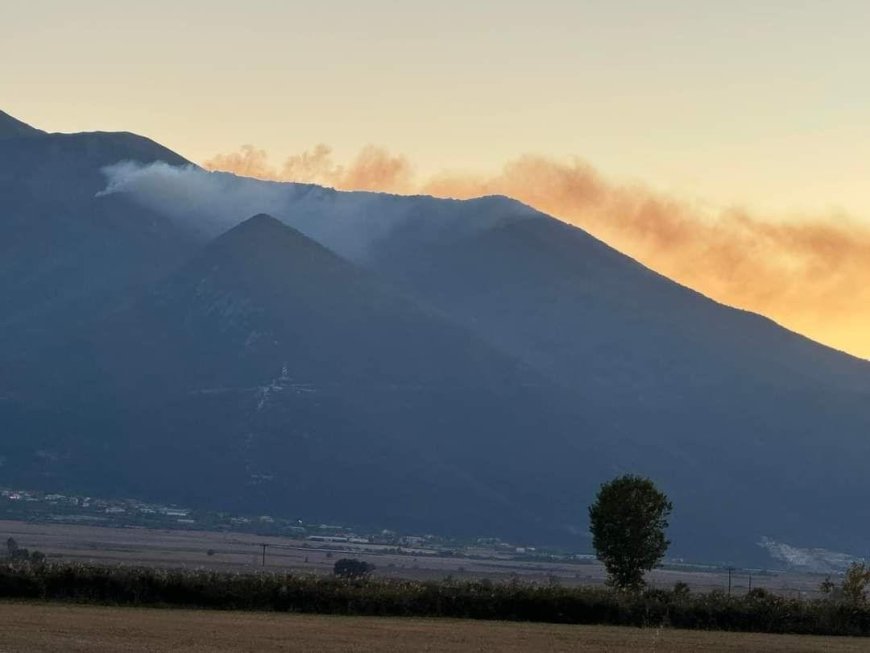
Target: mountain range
(462, 367)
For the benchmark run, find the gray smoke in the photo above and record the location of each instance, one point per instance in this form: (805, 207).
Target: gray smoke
(349, 223)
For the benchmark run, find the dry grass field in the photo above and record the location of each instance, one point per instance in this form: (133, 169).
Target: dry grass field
(44, 628)
(242, 552)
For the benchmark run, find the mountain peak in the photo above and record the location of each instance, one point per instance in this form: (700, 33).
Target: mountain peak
(261, 221)
(263, 230)
(271, 244)
(12, 127)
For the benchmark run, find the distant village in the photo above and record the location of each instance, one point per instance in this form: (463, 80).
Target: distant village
(44, 507)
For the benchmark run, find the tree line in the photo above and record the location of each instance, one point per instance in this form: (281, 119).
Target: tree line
(758, 611)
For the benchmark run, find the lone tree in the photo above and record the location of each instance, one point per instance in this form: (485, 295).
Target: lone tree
(628, 522)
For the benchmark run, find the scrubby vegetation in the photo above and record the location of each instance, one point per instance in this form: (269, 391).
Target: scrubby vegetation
(352, 568)
(15, 552)
(853, 589)
(758, 611)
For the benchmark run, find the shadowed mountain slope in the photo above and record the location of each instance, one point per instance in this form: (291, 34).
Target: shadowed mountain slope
(472, 367)
(268, 374)
(66, 255)
(769, 429)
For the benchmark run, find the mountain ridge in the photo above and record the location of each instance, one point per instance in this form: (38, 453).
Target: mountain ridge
(11, 127)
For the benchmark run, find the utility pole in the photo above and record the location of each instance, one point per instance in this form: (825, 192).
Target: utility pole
(750, 581)
(264, 553)
(730, 569)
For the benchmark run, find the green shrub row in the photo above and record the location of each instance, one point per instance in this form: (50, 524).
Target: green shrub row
(759, 611)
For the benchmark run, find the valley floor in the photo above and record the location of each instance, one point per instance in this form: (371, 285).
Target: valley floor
(242, 552)
(31, 628)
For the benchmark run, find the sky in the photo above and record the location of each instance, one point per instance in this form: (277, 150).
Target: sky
(727, 143)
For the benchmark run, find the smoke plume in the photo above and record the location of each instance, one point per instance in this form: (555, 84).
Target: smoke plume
(373, 168)
(210, 203)
(810, 274)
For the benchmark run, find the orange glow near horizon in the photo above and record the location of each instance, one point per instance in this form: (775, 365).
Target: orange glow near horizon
(755, 102)
(812, 275)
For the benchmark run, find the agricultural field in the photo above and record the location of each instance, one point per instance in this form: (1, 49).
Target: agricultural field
(44, 628)
(229, 551)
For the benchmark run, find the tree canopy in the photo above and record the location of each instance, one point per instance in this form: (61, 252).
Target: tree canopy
(352, 568)
(628, 521)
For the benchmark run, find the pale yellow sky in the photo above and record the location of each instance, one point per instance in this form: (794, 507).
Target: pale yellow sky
(762, 104)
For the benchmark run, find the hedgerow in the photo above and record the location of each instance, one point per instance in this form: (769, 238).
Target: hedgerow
(758, 611)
